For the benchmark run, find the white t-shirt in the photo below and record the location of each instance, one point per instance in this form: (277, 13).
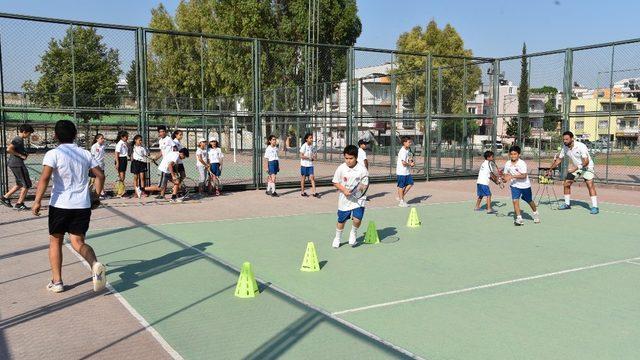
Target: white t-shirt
(166, 145)
(403, 155)
(348, 177)
(201, 153)
(97, 151)
(271, 153)
(215, 155)
(484, 173)
(70, 166)
(140, 153)
(171, 157)
(362, 156)
(578, 152)
(122, 149)
(520, 167)
(177, 146)
(308, 151)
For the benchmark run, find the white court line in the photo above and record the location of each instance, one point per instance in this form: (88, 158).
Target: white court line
(612, 203)
(486, 286)
(631, 262)
(165, 345)
(619, 212)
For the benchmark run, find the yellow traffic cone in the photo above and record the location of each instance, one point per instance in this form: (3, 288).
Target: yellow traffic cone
(310, 261)
(247, 286)
(414, 220)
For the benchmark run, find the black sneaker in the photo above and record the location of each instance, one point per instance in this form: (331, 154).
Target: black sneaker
(274, 194)
(21, 207)
(160, 197)
(268, 192)
(6, 201)
(316, 195)
(304, 194)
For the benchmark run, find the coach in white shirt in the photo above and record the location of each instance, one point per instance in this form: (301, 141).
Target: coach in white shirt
(580, 165)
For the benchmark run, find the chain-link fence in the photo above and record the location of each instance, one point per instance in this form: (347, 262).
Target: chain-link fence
(239, 91)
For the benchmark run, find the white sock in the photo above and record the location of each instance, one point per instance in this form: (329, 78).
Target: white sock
(535, 213)
(567, 199)
(338, 233)
(269, 186)
(519, 217)
(594, 201)
(354, 231)
(273, 187)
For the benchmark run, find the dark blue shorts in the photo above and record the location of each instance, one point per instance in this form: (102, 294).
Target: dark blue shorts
(524, 194)
(306, 170)
(483, 190)
(274, 167)
(215, 169)
(357, 213)
(404, 181)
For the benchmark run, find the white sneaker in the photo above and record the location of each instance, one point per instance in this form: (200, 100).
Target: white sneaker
(536, 219)
(138, 192)
(352, 239)
(99, 277)
(336, 243)
(519, 222)
(55, 287)
(402, 203)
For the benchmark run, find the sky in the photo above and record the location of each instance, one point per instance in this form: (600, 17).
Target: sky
(491, 28)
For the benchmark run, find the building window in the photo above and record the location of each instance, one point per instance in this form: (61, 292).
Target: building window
(510, 90)
(386, 94)
(579, 125)
(471, 110)
(603, 124)
(580, 108)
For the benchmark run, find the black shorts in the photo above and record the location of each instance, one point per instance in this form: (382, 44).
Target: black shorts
(72, 221)
(180, 170)
(21, 174)
(138, 167)
(122, 164)
(164, 179)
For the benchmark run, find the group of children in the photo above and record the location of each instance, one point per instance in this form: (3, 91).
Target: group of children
(515, 173)
(171, 168)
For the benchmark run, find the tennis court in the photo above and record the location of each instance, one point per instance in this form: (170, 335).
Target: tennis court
(463, 285)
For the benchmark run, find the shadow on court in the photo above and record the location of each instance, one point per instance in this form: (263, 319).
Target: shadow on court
(133, 272)
(419, 199)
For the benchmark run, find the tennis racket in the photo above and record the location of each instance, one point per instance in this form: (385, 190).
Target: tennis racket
(586, 174)
(188, 187)
(495, 174)
(118, 188)
(412, 161)
(149, 158)
(358, 188)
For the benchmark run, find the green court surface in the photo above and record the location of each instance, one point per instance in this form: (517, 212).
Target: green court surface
(464, 285)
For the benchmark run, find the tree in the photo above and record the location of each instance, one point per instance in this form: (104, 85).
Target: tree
(132, 79)
(523, 103)
(174, 61)
(411, 76)
(96, 68)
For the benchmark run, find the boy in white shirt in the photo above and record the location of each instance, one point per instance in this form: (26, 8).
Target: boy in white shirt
(168, 172)
(307, 157)
(581, 166)
(70, 203)
(202, 164)
(482, 184)
(272, 164)
(165, 142)
(215, 160)
(349, 172)
(403, 170)
(515, 173)
(362, 154)
(177, 137)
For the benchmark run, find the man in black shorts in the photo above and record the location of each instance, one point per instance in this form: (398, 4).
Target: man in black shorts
(18, 154)
(70, 206)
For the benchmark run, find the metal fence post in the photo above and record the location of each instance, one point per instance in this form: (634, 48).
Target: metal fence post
(4, 176)
(567, 93)
(613, 54)
(427, 126)
(495, 77)
(257, 126)
(350, 96)
(439, 125)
